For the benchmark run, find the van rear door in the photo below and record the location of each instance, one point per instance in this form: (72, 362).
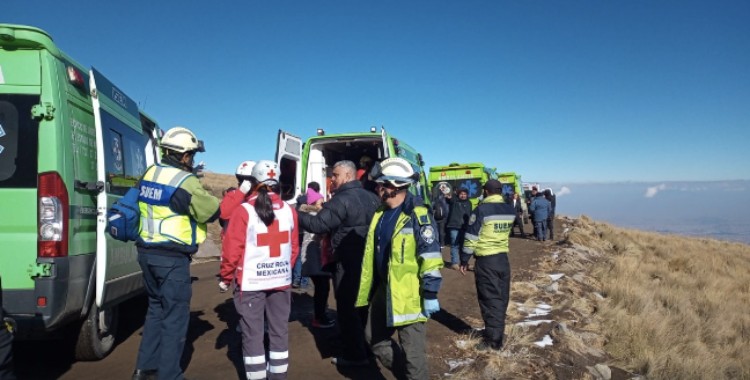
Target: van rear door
(20, 81)
(122, 157)
(289, 159)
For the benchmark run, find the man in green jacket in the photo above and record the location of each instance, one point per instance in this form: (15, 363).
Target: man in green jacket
(487, 238)
(400, 274)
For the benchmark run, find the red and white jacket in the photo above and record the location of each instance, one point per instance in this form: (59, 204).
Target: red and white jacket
(257, 256)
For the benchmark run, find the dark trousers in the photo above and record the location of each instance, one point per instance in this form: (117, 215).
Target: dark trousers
(167, 281)
(407, 358)
(492, 277)
(351, 320)
(551, 226)
(322, 286)
(518, 222)
(540, 229)
(6, 346)
(255, 308)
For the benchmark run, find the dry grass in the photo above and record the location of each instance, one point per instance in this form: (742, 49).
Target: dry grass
(676, 307)
(658, 306)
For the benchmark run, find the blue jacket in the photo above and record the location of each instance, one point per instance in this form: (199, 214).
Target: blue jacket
(541, 208)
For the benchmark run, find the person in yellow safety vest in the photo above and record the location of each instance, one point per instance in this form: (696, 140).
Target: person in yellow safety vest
(174, 209)
(400, 273)
(487, 238)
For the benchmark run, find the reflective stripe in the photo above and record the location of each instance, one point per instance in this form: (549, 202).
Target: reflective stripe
(499, 217)
(278, 368)
(255, 375)
(406, 317)
(249, 360)
(431, 255)
(470, 236)
(468, 250)
(278, 354)
(150, 221)
(406, 231)
(433, 273)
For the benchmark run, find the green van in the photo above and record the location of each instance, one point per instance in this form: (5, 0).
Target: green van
(71, 143)
(469, 176)
(313, 161)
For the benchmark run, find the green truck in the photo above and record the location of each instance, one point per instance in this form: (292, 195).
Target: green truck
(512, 184)
(453, 176)
(71, 143)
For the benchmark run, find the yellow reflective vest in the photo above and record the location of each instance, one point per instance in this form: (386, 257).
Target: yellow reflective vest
(413, 266)
(488, 228)
(159, 224)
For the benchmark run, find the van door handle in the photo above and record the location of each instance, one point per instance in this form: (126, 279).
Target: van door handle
(91, 187)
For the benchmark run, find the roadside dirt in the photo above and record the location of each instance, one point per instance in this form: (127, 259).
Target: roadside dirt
(213, 346)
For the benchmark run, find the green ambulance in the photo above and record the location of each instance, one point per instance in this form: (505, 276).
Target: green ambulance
(71, 143)
(512, 184)
(312, 160)
(455, 176)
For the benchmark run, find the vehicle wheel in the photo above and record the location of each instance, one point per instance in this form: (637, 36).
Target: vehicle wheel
(97, 336)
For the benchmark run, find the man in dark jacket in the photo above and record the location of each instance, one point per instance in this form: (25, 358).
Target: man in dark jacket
(347, 218)
(460, 209)
(550, 196)
(540, 208)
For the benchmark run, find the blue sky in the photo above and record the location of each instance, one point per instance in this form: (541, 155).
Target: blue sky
(559, 91)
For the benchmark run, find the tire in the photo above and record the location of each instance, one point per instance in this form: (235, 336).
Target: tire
(96, 338)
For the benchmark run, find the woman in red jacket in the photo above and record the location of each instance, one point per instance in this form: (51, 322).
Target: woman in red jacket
(260, 247)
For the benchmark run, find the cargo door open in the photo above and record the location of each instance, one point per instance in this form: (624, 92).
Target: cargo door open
(289, 159)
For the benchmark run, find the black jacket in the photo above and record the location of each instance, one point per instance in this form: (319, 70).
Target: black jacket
(459, 212)
(347, 218)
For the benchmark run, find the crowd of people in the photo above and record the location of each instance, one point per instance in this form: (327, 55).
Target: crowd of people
(378, 244)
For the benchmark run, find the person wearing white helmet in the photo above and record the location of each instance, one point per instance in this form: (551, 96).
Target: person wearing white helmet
(259, 250)
(235, 196)
(400, 272)
(175, 209)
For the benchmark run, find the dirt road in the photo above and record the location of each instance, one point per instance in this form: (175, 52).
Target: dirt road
(213, 351)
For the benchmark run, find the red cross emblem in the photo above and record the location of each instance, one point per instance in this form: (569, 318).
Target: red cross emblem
(273, 239)
(271, 174)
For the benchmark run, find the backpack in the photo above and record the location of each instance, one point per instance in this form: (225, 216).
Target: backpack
(124, 217)
(440, 209)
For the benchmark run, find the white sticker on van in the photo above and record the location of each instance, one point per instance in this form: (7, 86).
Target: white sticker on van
(2, 78)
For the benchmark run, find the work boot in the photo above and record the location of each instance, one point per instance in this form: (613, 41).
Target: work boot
(487, 346)
(145, 374)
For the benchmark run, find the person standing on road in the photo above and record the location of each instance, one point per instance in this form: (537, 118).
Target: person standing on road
(233, 198)
(6, 343)
(460, 209)
(260, 247)
(400, 274)
(541, 209)
(487, 239)
(174, 210)
(518, 222)
(550, 196)
(315, 264)
(346, 217)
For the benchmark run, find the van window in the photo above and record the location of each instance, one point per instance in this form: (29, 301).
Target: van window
(124, 154)
(287, 179)
(19, 135)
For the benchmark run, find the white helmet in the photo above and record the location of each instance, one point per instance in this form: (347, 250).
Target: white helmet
(397, 172)
(266, 171)
(181, 140)
(245, 169)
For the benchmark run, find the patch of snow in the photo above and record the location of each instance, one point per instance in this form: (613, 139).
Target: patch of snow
(455, 363)
(556, 276)
(462, 344)
(546, 341)
(534, 323)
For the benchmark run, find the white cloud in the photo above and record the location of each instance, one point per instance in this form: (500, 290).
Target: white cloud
(653, 190)
(563, 191)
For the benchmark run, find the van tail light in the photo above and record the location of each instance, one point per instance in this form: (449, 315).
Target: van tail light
(52, 197)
